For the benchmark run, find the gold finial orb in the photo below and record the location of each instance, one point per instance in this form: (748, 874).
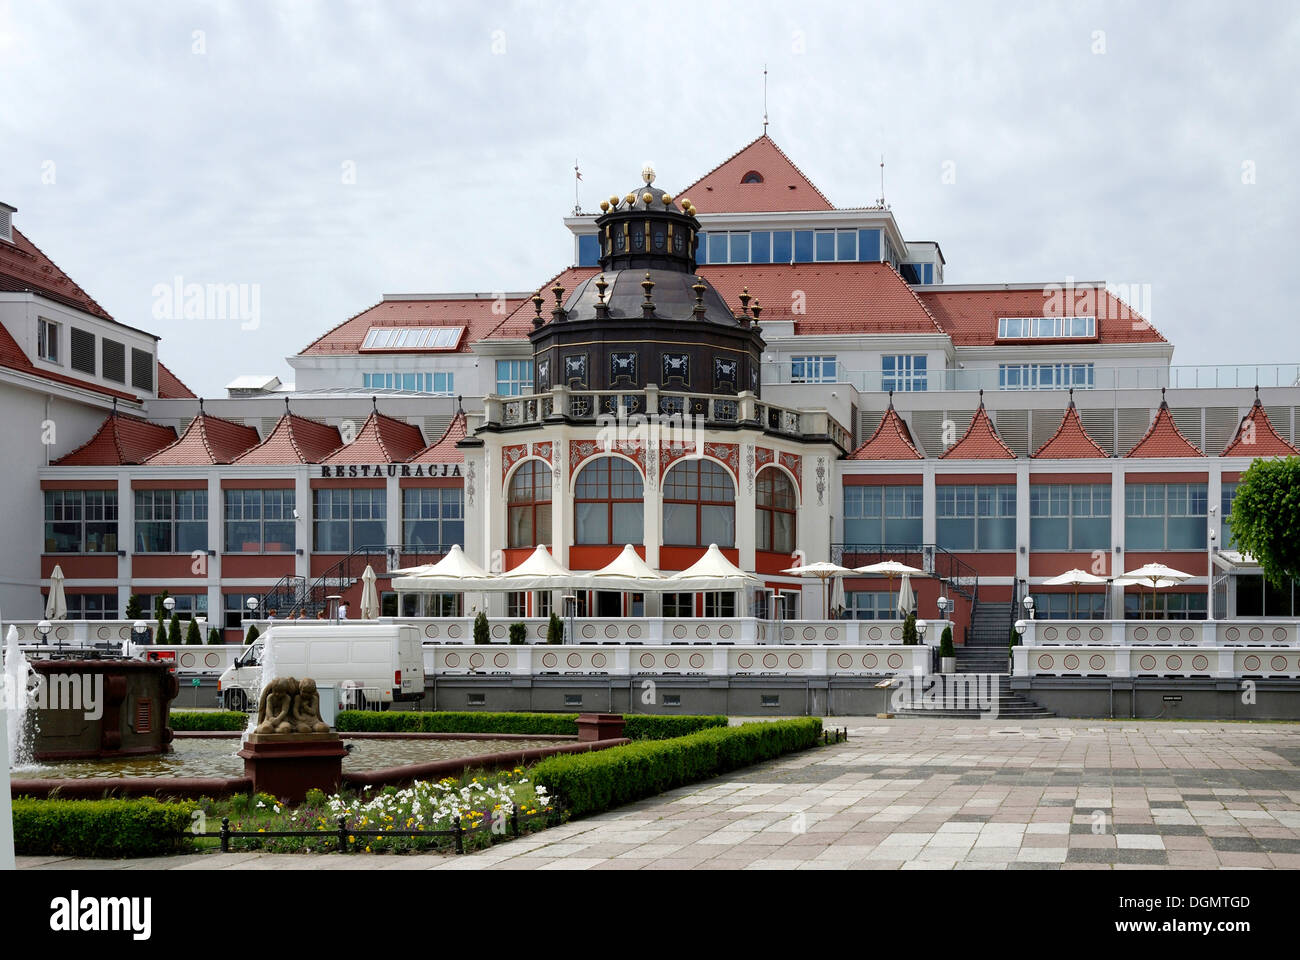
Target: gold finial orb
(647, 197)
(630, 198)
(667, 199)
(613, 201)
(686, 202)
(604, 206)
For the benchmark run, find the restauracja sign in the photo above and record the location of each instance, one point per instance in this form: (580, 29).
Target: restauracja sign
(391, 470)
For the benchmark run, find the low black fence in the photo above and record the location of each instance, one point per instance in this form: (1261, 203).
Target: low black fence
(347, 837)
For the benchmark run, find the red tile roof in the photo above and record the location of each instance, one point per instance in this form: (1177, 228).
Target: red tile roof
(206, 440)
(1164, 439)
(12, 356)
(979, 442)
(295, 440)
(519, 322)
(381, 439)
(891, 441)
(1256, 437)
(24, 267)
(170, 386)
(827, 298)
(1070, 441)
(444, 449)
(970, 317)
(783, 188)
(475, 314)
(121, 439)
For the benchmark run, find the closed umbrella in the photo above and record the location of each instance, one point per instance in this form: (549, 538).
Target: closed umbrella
(823, 571)
(56, 608)
(906, 598)
(1075, 578)
(837, 594)
(369, 595)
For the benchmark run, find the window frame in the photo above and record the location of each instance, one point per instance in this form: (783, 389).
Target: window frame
(49, 333)
(766, 514)
(448, 508)
(532, 506)
(584, 492)
(697, 503)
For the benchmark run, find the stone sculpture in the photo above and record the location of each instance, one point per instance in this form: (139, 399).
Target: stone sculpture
(288, 705)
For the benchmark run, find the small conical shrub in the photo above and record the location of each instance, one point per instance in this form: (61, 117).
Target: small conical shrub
(554, 630)
(192, 635)
(174, 635)
(481, 634)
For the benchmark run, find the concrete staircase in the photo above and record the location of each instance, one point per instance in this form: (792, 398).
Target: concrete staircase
(986, 652)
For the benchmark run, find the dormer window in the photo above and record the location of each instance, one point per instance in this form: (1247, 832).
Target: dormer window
(47, 340)
(752, 177)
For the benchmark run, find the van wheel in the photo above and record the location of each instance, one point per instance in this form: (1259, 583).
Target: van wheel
(236, 700)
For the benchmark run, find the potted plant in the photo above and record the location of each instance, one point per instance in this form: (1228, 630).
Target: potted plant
(214, 637)
(192, 636)
(481, 634)
(554, 630)
(947, 655)
(518, 633)
(910, 638)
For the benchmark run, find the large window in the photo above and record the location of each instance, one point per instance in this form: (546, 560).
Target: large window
(812, 370)
(1065, 516)
(90, 606)
(433, 518)
(260, 521)
(678, 605)
(47, 340)
(1165, 516)
(775, 506)
(529, 505)
(1140, 604)
(903, 372)
(872, 605)
(236, 609)
(976, 517)
(699, 505)
(1049, 328)
(1088, 604)
(171, 521)
(609, 503)
(437, 383)
(188, 606)
(80, 521)
(514, 377)
(1257, 597)
(1046, 376)
(347, 519)
(882, 515)
(1226, 495)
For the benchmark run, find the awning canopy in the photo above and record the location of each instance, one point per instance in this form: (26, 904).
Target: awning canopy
(711, 572)
(626, 572)
(540, 571)
(452, 574)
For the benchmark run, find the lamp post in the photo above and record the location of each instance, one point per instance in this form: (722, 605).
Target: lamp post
(1029, 607)
(921, 627)
(140, 630)
(1209, 566)
(251, 604)
(1020, 628)
(942, 604)
(43, 631)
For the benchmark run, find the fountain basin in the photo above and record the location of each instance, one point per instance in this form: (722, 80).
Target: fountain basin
(90, 709)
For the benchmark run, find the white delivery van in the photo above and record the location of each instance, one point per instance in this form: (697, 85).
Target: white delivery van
(369, 665)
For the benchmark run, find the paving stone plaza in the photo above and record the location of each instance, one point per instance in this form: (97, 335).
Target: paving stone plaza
(925, 794)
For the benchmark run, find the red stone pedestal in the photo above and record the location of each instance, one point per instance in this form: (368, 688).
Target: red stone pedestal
(599, 726)
(287, 765)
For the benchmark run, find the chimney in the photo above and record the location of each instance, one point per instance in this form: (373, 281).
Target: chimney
(7, 222)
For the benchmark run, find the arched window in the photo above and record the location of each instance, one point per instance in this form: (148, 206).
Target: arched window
(775, 505)
(609, 503)
(752, 177)
(529, 505)
(699, 505)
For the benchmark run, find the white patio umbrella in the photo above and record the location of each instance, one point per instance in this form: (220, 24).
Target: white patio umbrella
(837, 594)
(823, 571)
(369, 595)
(891, 569)
(906, 598)
(540, 571)
(56, 608)
(1075, 578)
(713, 572)
(1154, 575)
(626, 572)
(453, 573)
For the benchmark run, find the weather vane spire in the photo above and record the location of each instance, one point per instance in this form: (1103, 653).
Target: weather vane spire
(765, 99)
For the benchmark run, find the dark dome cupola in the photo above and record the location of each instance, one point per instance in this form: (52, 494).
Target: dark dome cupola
(645, 229)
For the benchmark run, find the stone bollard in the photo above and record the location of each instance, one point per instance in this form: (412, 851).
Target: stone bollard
(599, 726)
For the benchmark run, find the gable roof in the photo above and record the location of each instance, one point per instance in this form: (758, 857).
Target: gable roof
(1163, 438)
(24, 267)
(475, 314)
(970, 317)
(783, 188)
(891, 441)
(120, 440)
(1070, 441)
(170, 386)
(295, 439)
(1259, 439)
(206, 440)
(831, 298)
(980, 441)
(444, 449)
(381, 439)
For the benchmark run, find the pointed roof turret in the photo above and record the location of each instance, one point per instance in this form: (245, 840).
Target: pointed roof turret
(980, 441)
(1163, 438)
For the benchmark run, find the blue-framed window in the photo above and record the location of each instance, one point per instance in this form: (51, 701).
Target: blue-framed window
(588, 250)
(846, 245)
(882, 515)
(905, 373)
(825, 247)
(1165, 516)
(976, 517)
(740, 248)
(760, 246)
(1046, 376)
(717, 248)
(868, 245)
(782, 246)
(701, 248)
(514, 377)
(803, 246)
(442, 383)
(820, 369)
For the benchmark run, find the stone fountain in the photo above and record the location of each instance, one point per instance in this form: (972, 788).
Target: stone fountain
(291, 749)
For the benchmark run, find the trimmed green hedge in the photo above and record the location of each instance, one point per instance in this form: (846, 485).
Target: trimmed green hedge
(637, 726)
(208, 720)
(588, 783)
(101, 828)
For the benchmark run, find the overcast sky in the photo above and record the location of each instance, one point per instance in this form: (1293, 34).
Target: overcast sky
(1150, 144)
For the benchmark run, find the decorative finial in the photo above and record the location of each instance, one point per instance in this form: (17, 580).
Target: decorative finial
(374, 404)
(115, 406)
(630, 199)
(699, 287)
(200, 406)
(648, 173)
(460, 407)
(744, 301)
(981, 396)
(667, 198)
(286, 405)
(1072, 396)
(538, 300)
(604, 206)
(891, 399)
(647, 198)
(614, 202)
(559, 294)
(755, 310)
(1162, 397)
(1257, 393)
(648, 285)
(601, 287)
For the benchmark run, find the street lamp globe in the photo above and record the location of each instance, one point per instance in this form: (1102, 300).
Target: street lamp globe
(170, 604)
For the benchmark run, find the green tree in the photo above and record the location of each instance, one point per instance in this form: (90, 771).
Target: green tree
(518, 633)
(213, 636)
(1265, 518)
(909, 630)
(192, 635)
(133, 611)
(945, 643)
(481, 634)
(554, 630)
(252, 635)
(174, 635)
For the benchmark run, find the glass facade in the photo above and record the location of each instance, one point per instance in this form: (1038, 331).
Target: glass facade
(1066, 516)
(904, 373)
(260, 521)
(443, 383)
(699, 505)
(609, 505)
(1165, 516)
(891, 516)
(1046, 376)
(514, 377)
(171, 521)
(80, 521)
(433, 518)
(786, 246)
(976, 517)
(347, 519)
